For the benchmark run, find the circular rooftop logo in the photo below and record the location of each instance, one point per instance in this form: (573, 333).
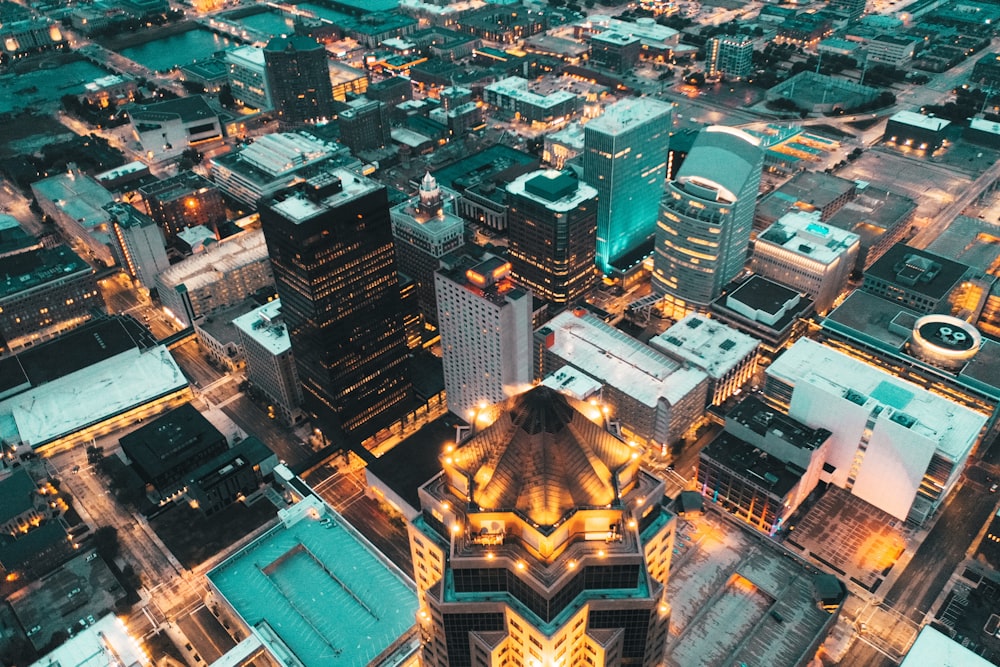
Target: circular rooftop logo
(950, 335)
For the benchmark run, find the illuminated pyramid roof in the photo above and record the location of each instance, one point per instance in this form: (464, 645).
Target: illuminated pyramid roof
(543, 458)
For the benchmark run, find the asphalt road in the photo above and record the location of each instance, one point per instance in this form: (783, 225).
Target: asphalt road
(938, 556)
(941, 551)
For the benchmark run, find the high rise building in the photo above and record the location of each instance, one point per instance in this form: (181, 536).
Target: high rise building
(138, 243)
(706, 219)
(270, 362)
(625, 158)
(248, 76)
(330, 244)
(542, 542)
(735, 56)
(485, 324)
(298, 76)
(365, 125)
(552, 223)
(712, 72)
(424, 229)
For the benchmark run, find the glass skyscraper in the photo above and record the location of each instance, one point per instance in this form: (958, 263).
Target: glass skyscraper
(625, 159)
(330, 244)
(706, 219)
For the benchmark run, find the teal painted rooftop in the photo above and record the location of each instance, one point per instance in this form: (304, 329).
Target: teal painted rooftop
(314, 588)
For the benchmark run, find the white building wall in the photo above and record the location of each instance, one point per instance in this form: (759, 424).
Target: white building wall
(486, 346)
(823, 406)
(893, 466)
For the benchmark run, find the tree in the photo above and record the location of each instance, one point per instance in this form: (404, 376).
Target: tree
(226, 98)
(106, 542)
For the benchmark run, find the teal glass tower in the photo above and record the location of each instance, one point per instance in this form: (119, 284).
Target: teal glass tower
(625, 159)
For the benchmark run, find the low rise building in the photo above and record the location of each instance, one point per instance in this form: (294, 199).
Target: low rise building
(94, 380)
(727, 355)
(270, 364)
(895, 444)
(168, 128)
(231, 476)
(765, 310)
(915, 130)
(75, 202)
(800, 252)
(655, 398)
(806, 191)
(44, 292)
(926, 282)
(184, 200)
(219, 338)
(891, 51)
(271, 163)
(514, 95)
(936, 350)
(657, 42)
(881, 218)
(271, 584)
(763, 464)
(987, 70)
(112, 90)
(615, 51)
(223, 275)
(166, 450)
(22, 507)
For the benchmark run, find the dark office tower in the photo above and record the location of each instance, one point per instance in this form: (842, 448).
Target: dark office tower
(330, 245)
(298, 75)
(552, 222)
(365, 125)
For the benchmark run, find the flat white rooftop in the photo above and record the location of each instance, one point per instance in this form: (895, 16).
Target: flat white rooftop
(615, 358)
(626, 114)
(206, 268)
(105, 643)
(260, 325)
(646, 29)
(515, 86)
(582, 193)
(920, 120)
(802, 233)
(711, 346)
(277, 154)
(573, 382)
(935, 649)
(89, 396)
(953, 427)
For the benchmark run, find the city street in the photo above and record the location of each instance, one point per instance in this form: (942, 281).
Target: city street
(920, 584)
